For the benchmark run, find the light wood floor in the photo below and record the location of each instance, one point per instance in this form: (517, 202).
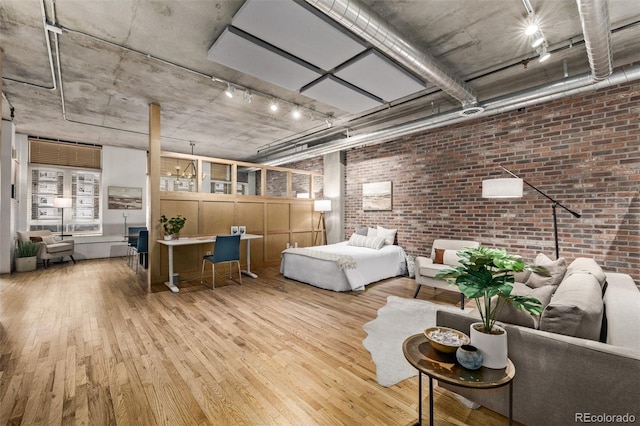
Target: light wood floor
(83, 344)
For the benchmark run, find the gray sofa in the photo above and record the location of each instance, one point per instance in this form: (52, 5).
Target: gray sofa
(50, 248)
(563, 379)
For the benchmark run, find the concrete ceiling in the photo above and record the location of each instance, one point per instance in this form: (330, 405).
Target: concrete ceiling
(116, 57)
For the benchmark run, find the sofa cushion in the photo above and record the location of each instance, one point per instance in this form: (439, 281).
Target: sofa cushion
(584, 265)
(576, 308)
(509, 314)
(556, 269)
(49, 240)
(522, 277)
(375, 243)
(431, 269)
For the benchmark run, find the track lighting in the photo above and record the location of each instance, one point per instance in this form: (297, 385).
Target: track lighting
(230, 90)
(247, 97)
(543, 52)
(329, 122)
(296, 113)
(273, 106)
(537, 38)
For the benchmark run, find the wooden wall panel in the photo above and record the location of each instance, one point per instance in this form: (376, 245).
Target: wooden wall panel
(275, 244)
(183, 259)
(251, 215)
(301, 217)
(217, 217)
(277, 217)
(304, 239)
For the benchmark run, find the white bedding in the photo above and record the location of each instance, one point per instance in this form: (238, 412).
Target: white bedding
(372, 265)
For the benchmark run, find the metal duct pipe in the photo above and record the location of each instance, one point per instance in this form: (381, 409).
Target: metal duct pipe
(594, 16)
(366, 24)
(554, 91)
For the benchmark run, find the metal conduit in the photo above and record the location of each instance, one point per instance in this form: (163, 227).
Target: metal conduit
(365, 23)
(594, 16)
(547, 93)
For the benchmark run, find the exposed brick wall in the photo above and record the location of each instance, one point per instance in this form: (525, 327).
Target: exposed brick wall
(583, 151)
(315, 165)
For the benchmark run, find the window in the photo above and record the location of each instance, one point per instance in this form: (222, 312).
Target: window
(64, 170)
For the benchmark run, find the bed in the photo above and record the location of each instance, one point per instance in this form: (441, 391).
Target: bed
(343, 267)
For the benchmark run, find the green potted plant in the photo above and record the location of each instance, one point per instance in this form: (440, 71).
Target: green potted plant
(27, 256)
(483, 274)
(172, 226)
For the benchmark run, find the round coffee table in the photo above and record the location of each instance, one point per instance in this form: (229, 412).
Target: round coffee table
(444, 367)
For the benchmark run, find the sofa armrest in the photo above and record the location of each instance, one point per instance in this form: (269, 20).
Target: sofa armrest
(423, 261)
(551, 371)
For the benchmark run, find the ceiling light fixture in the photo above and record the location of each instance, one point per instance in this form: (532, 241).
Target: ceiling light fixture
(296, 112)
(247, 97)
(537, 39)
(230, 90)
(544, 53)
(273, 106)
(329, 122)
(532, 27)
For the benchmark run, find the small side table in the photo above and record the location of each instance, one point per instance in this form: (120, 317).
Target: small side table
(444, 367)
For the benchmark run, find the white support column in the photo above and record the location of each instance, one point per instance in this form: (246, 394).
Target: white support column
(6, 215)
(334, 166)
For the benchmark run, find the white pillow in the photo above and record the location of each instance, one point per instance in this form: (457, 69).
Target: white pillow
(372, 232)
(375, 243)
(451, 257)
(389, 235)
(48, 239)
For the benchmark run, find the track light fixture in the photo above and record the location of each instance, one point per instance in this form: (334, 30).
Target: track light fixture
(273, 105)
(543, 52)
(230, 91)
(537, 39)
(247, 97)
(532, 25)
(295, 113)
(329, 122)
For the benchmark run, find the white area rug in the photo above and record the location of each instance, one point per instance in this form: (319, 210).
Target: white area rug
(397, 320)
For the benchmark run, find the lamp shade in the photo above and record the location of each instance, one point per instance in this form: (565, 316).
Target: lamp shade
(502, 188)
(322, 205)
(62, 202)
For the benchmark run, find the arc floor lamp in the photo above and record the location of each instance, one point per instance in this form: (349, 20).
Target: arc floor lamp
(512, 188)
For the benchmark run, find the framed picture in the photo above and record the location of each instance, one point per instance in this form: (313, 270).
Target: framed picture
(376, 196)
(125, 198)
(242, 229)
(234, 230)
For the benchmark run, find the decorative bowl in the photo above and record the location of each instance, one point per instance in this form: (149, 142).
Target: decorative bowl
(446, 339)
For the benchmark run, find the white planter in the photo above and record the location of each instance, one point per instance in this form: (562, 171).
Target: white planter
(492, 346)
(168, 237)
(26, 264)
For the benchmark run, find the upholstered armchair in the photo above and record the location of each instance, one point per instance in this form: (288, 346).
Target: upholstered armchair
(443, 256)
(50, 248)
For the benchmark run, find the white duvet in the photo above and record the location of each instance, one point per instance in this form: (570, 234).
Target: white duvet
(371, 266)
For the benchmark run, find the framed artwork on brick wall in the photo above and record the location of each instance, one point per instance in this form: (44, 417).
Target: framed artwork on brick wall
(377, 196)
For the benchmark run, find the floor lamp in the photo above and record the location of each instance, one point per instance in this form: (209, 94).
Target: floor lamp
(512, 188)
(62, 203)
(321, 206)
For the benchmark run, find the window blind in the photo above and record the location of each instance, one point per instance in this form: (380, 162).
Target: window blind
(64, 154)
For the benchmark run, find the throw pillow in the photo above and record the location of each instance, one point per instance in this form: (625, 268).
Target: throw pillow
(585, 265)
(439, 257)
(375, 243)
(576, 308)
(389, 235)
(556, 269)
(48, 239)
(362, 231)
(36, 239)
(509, 314)
(451, 257)
(372, 232)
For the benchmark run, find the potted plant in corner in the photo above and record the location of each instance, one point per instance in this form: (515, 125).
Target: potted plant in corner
(485, 273)
(173, 226)
(27, 256)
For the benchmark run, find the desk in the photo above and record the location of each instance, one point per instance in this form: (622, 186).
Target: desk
(203, 240)
(444, 367)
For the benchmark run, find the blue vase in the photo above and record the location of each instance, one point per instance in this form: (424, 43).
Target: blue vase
(469, 357)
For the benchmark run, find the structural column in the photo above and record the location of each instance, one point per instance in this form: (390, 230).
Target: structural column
(154, 193)
(333, 189)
